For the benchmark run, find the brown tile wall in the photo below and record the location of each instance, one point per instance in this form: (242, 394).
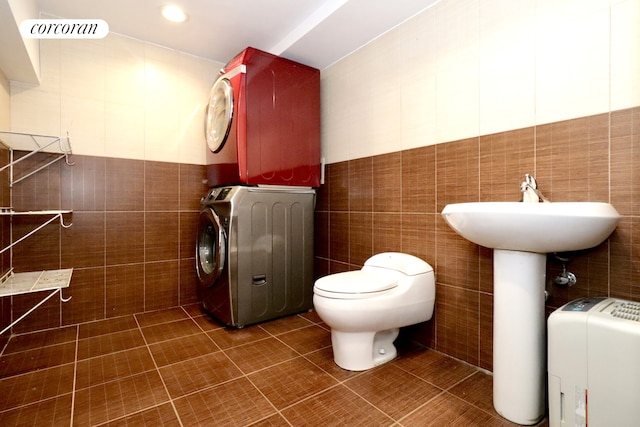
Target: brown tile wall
(131, 243)
(392, 202)
(133, 234)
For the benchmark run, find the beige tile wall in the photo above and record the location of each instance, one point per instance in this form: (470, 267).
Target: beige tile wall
(464, 68)
(118, 97)
(5, 103)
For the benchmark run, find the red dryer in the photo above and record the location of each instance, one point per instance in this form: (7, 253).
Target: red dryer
(263, 122)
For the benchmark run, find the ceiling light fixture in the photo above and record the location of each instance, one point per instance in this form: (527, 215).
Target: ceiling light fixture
(174, 14)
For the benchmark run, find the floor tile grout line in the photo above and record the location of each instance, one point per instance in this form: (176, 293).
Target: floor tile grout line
(173, 364)
(264, 368)
(448, 391)
(355, 373)
(345, 383)
(108, 319)
(311, 396)
(461, 381)
(75, 379)
(15, 336)
(311, 323)
(171, 339)
(157, 369)
(6, 344)
(244, 344)
(338, 384)
(158, 311)
(338, 381)
(86, 359)
(269, 416)
(304, 355)
(271, 335)
(111, 381)
(279, 335)
(210, 386)
(34, 369)
(202, 329)
(291, 347)
(266, 398)
(475, 371)
(230, 380)
(36, 402)
(125, 416)
(279, 411)
(147, 346)
(468, 402)
(442, 392)
(31, 372)
(224, 350)
(347, 380)
(247, 375)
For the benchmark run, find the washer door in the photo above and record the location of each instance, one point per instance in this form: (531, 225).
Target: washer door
(210, 247)
(219, 114)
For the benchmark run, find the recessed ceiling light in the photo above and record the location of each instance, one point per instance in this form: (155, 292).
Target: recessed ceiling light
(174, 14)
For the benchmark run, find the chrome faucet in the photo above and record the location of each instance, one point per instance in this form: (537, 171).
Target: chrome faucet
(530, 192)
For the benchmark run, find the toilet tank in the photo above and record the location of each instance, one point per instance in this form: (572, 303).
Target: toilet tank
(404, 263)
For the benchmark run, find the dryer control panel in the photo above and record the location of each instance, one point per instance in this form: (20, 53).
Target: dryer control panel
(217, 194)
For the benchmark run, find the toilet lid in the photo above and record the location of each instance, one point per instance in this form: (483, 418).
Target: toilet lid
(356, 284)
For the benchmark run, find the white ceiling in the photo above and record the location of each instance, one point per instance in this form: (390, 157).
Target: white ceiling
(313, 32)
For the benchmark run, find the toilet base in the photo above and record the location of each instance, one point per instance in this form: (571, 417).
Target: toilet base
(359, 351)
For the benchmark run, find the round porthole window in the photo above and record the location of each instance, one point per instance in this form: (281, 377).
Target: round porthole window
(219, 114)
(210, 248)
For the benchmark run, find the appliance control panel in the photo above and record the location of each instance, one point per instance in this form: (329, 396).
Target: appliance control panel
(582, 304)
(219, 193)
(224, 192)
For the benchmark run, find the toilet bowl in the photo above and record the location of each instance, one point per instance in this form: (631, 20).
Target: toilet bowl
(366, 308)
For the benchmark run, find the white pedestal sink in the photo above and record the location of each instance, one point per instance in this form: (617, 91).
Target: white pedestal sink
(521, 234)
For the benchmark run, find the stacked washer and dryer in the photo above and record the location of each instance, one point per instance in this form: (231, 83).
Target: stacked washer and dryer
(254, 250)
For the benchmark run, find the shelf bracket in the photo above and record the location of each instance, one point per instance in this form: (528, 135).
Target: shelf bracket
(62, 224)
(51, 281)
(35, 230)
(33, 172)
(47, 298)
(63, 299)
(67, 153)
(36, 141)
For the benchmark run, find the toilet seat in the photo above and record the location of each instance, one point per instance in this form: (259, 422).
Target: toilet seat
(356, 284)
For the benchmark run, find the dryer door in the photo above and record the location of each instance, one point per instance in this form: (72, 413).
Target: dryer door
(210, 247)
(219, 114)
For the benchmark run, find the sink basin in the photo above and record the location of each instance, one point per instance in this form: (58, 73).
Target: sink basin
(520, 235)
(533, 227)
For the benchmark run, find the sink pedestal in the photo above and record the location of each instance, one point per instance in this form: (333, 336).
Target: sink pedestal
(521, 234)
(519, 346)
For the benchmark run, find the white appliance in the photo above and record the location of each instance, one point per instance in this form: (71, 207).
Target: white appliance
(594, 364)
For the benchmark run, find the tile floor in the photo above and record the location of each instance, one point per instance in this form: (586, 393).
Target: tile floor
(177, 367)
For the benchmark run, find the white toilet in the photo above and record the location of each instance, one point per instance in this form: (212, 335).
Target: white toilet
(366, 308)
